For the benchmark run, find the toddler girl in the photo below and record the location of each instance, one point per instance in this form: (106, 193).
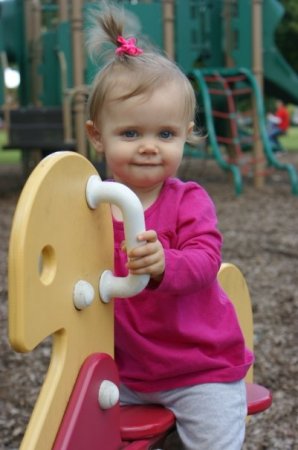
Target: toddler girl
(177, 343)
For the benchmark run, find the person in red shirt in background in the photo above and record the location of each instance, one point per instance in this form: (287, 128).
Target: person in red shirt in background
(279, 123)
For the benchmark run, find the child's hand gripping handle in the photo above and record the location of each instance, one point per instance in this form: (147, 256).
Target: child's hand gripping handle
(134, 223)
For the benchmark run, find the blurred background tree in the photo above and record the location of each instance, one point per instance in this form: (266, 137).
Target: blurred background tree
(287, 33)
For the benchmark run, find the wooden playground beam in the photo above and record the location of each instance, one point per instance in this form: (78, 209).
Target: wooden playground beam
(257, 58)
(32, 10)
(169, 30)
(78, 74)
(63, 10)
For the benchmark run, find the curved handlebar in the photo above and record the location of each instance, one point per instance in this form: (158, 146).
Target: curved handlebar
(134, 223)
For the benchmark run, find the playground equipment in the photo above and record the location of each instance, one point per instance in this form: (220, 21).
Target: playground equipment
(230, 97)
(45, 42)
(61, 245)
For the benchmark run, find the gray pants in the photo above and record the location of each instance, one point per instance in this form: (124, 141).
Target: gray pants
(209, 416)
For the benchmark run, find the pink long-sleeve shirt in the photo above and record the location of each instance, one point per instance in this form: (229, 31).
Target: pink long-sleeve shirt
(184, 330)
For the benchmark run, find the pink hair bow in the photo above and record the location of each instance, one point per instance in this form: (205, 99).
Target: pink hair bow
(128, 47)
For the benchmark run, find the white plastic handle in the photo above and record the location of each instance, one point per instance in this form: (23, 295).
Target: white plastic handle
(134, 224)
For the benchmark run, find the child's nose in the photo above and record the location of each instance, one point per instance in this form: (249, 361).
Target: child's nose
(148, 147)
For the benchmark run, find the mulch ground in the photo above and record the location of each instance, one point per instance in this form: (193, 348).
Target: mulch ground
(260, 230)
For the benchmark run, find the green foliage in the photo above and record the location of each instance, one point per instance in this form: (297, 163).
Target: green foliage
(287, 33)
(7, 156)
(290, 140)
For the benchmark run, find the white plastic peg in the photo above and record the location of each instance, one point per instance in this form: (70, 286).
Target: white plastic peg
(83, 294)
(108, 394)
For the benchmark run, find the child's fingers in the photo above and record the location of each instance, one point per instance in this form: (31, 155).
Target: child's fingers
(143, 262)
(144, 250)
(149, 236)
(147, 258)
(152, 263)
(152, 267)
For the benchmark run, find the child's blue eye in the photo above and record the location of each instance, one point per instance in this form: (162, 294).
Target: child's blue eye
(130, 134)
(166, 134)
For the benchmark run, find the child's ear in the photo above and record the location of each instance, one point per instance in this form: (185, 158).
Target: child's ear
(94, 136)
(190, 128)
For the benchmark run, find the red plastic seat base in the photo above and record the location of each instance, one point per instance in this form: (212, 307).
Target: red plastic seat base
(85, 424)
(147, 421)
(258, 397)
(136, 445)
(143, 422)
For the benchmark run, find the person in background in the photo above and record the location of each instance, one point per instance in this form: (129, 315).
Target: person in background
(278, 124)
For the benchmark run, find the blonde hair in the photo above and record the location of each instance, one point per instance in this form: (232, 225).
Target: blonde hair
(124, 76)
